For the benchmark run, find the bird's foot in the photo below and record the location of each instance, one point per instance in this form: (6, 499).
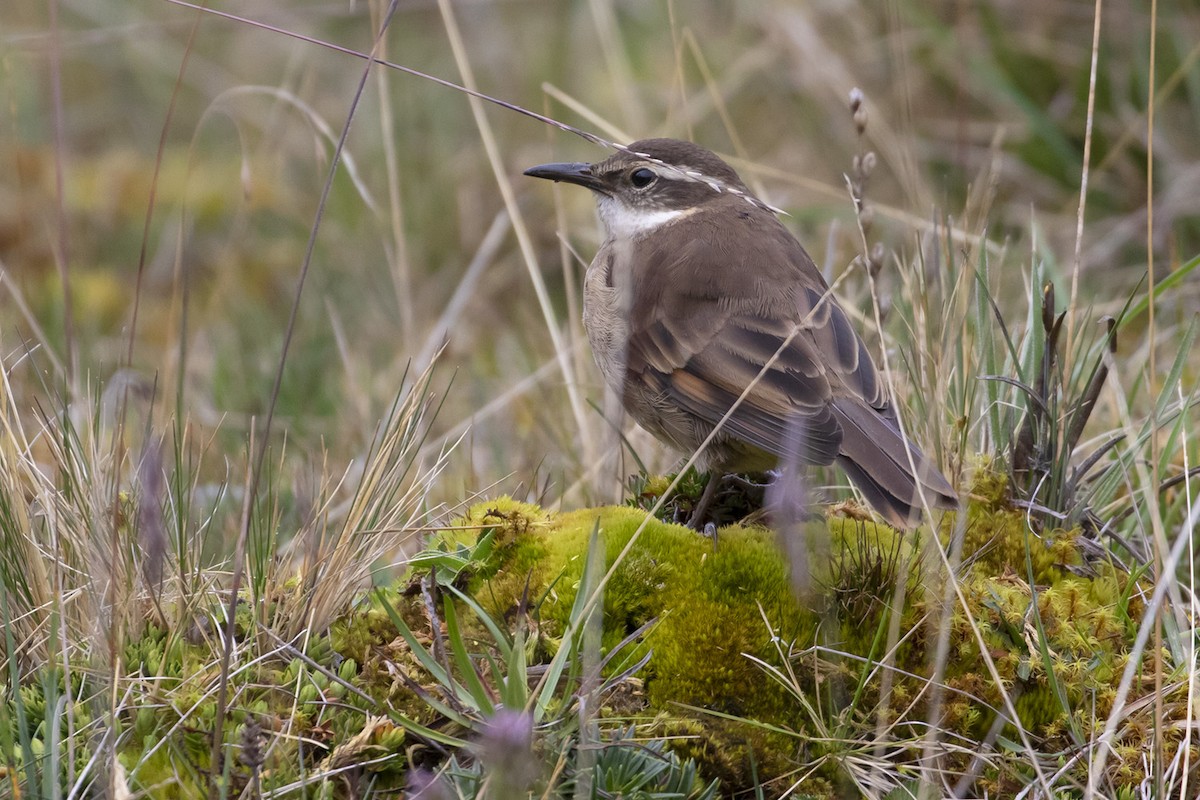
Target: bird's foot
(730, 497)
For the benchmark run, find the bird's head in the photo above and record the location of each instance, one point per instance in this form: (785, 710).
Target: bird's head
(651, 183)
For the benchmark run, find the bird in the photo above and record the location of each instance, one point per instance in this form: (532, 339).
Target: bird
(699, 301)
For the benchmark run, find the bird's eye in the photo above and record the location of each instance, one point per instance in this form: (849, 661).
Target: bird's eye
(641, 178)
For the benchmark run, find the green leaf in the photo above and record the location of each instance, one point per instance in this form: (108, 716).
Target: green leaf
(423, 656)
(462, 659)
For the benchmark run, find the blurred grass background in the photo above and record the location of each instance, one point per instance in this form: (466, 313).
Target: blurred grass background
(978, 112)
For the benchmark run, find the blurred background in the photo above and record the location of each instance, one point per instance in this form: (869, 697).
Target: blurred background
(161, 170)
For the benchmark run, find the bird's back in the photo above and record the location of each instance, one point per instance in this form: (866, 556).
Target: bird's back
(693, 323)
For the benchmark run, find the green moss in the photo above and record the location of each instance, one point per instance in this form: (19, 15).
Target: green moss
(706, 606)
(1056, 628)
(734, 675)
(509, 518)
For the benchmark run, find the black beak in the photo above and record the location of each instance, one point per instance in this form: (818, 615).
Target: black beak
(575, 172)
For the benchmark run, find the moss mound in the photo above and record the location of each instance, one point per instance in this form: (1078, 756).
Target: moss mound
(764, 680)
(815, 666)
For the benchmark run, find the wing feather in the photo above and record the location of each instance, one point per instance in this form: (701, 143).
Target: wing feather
(703, 332)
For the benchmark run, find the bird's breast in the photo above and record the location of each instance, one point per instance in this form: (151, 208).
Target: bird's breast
(606, 315)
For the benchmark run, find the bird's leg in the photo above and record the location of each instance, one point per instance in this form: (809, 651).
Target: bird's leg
(753, 487)
(700, 512)
(744, 495)
(749, 482)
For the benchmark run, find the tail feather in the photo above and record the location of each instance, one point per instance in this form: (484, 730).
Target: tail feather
(876, 458)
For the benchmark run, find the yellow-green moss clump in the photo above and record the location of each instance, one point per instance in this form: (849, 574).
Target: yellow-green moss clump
(168, 708)
(757, 669)
(724, 618)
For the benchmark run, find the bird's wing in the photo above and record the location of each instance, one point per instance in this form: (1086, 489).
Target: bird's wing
(703, 331)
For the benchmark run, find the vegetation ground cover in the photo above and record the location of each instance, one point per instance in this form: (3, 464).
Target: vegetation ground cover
(280, 330)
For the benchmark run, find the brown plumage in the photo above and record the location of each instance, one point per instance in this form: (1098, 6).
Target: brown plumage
(696, 288)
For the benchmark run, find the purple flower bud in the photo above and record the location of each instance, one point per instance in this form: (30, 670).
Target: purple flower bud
(506, 748)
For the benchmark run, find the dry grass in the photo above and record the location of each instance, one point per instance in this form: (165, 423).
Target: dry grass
(220, 266)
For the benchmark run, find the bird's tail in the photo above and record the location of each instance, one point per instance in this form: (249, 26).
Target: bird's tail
(877, 460)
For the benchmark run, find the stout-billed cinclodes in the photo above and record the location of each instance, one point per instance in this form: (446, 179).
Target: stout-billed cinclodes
(699, 295)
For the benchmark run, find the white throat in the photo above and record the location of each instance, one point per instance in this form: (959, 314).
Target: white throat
(623, 222)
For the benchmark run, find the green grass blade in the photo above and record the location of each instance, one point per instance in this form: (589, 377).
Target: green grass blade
(1166, 284)
(423, 656)
(14, 679)
(424, 732)
(463, 660)
(515, 690)
(559, 663)
(1174, 375)
(498, 636)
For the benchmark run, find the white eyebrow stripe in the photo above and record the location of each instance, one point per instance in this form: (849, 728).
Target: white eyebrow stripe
(691, 174)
